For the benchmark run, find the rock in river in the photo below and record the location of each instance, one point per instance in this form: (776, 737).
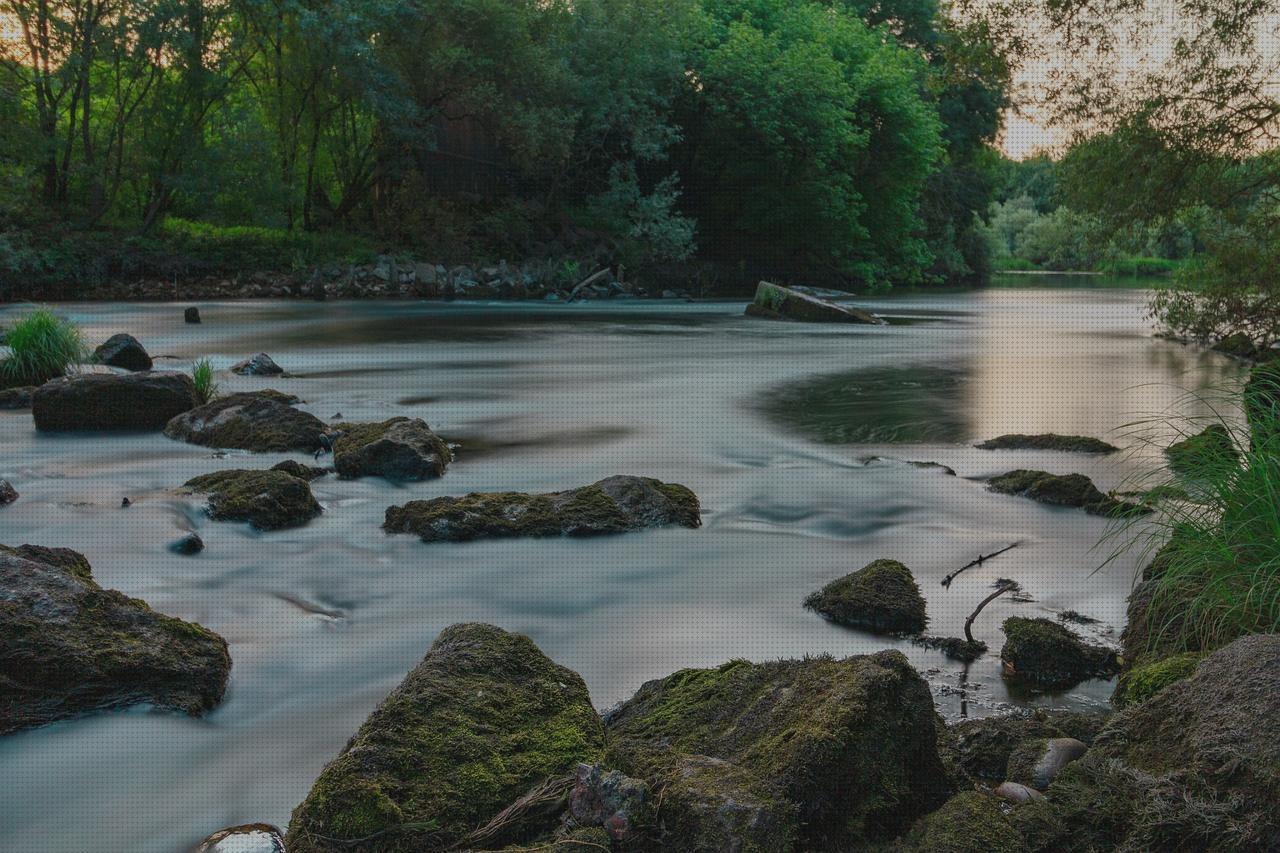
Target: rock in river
(68, 646)
(302, 472)
(1044, 653)
(881, 596)
(1196, 767)
(480, 721)
(612, 505)
(17, 398)
(268, 500)
(257, 365)
(1210, 450)
(1048, 441)
(1073, 490)
(123, 351)
(261, 421)
(108, 401)
(397, 449)
(815, 754)
(774, 302)
(8, 494)
(191, 315)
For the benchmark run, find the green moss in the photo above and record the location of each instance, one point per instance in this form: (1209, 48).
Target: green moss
(261, 421)
(1146, 678)
(1073, 490)
(590, 511)
(485, 717)
(970, 822)
(1048, 441)
(882, 596)
(268, 500)
(1045, 653)
(1198, 455)
(399, 448)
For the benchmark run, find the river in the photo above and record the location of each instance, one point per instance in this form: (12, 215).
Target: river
(773, 425)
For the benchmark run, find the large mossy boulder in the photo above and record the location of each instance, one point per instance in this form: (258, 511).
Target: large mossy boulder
(1048, 441)
(482, 720)
(788, 755)
(1046, 654)
(882, 596)
(1071, 490)
(262, 421)
(612, 505)
(99, 402)
(1204, 453)
(970, 822)
(397, 449)
(123, 351)
(774, 302)
(68, 646)
(268, 500)
(1196, 767)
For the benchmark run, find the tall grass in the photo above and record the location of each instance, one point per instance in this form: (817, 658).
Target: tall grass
(42, 346)
(1214, 572)
(202, 376)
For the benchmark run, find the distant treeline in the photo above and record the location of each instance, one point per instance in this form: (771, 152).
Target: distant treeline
(836, 141)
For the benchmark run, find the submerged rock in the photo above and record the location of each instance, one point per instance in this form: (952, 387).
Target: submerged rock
(1044, 653)
(1197, 767)
(1048, 441)
(1212, 449)
(774, 302)
(257, 365)
(612, 505)
(249, 838)
(882, 596)
(970, 822)
(123, 351)
(68, 646)
(787, 755)
(17, 398)
(303, 472)
(398, 449)
(1073, 490)
(8, 494)
(268, 500)
(484, 718)
(261, 421)
(108, 401)
(1036, 763)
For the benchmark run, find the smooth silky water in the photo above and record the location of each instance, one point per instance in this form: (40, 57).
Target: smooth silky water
(773, 425)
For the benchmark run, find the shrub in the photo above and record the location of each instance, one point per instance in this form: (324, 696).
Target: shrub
(42, 346)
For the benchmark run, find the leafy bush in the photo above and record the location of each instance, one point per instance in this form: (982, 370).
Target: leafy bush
(42, 346)
(202, 376)
(1141, 267)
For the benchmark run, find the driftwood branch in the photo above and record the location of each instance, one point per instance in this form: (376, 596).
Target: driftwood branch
(946, 582)
(586, 282)
(1007, 586)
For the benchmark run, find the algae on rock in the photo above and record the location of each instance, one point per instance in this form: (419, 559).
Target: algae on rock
(483, 718)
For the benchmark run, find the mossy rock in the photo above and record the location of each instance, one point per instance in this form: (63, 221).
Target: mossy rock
(294, 468)
(612, 505)
(1046, 654)
(774, 302)
(1072, 490)
(261, 421)
(851, 745)
(1048, 441)
(970, 822)
(1149, 675)
(1239, 345)
(481, 720)
(1196, 767)
(123, 351)
(983, 747)
(69, 647)
(1210, 450)
(882, 596)
(268, 500)
(106, 402)
(401, 449)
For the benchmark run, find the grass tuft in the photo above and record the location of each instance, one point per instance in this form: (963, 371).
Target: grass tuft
(202, 376)
(42, 346)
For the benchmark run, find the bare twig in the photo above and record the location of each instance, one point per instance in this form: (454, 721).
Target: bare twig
(1007, 586)
(946, 582)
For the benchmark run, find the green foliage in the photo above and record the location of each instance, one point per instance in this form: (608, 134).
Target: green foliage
(1148, 678)
(42, 346)
(202, 376)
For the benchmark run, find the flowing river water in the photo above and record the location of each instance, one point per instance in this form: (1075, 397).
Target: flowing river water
(796, 438)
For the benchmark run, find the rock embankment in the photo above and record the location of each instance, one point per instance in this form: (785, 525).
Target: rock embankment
(68, 646)
(612, 505)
